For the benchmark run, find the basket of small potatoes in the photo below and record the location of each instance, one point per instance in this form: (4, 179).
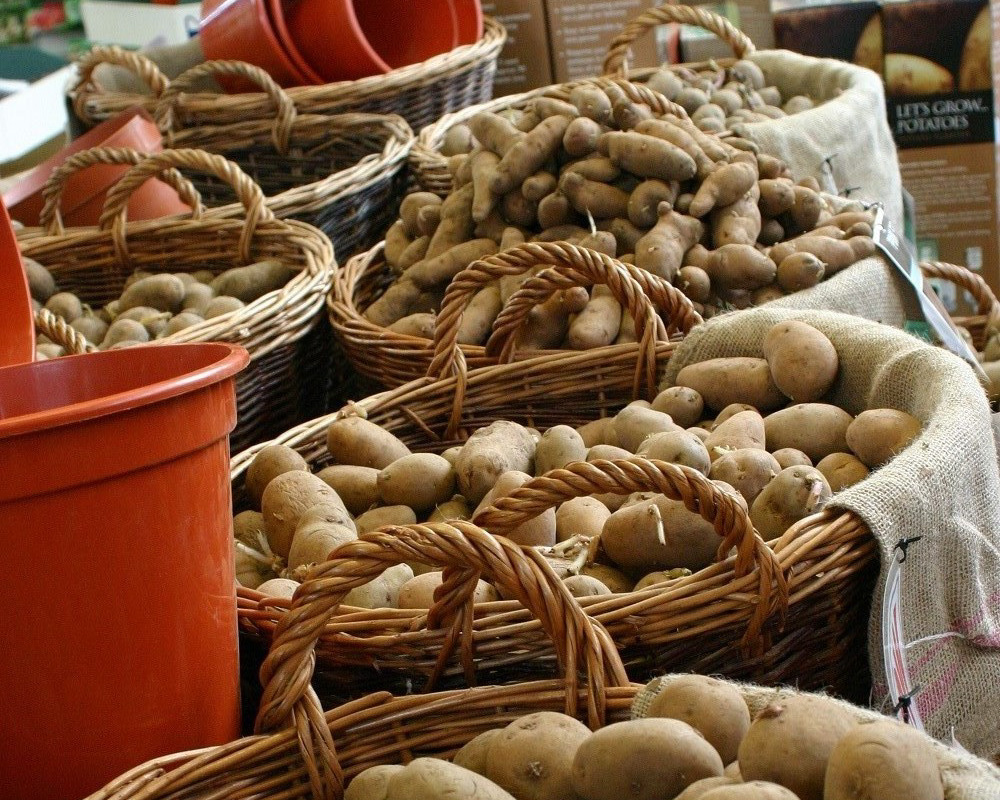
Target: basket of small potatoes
(750, 503)
(590, 735)
(819, 115)
(258, 282)
(611, 166)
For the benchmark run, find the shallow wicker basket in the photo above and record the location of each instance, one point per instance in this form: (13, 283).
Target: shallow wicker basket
(419, 93)
(287, 370)
(391, 359)
(306, 753)
(828, 560)
(986, 320)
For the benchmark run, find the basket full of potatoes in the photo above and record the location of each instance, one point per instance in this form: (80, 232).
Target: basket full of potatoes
(606, 165)
(711, 529)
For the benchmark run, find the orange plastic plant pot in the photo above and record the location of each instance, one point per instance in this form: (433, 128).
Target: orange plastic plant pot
(17, 320)
(120, 639)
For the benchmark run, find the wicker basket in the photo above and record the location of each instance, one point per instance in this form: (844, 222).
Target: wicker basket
(420, 93)
(829, 560)
(986, 320)
(287, 371)
(311, 754)
(391, 359)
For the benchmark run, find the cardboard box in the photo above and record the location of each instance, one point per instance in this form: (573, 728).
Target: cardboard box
(939, 92)
(138, 24)
(524, 62)
(753, 17)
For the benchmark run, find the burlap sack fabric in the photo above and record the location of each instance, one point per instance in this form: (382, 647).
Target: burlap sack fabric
(965, 777)
(944, 488)
(844, 141)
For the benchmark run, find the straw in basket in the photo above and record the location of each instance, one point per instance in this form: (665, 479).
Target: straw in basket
(419, 93)
(302, 752)
(284, 375)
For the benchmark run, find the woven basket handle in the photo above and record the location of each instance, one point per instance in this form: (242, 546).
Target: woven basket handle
(468, 552)
(167, 118)
(247, 192)
(50, 218)
(62, 333)
(116, 56)
(616, 61)
(986, 302)
(698, 493)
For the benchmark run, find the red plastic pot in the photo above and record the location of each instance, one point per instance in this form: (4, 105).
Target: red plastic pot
(84, 193)
(345, 40)
(120, 640)
(468, 21)
(17, 320)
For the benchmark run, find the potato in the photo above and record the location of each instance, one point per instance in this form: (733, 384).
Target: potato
(616, 580)
(659, 576)
(353, 440)
(721, 381)
(281, 588)
(585, 586)
(729, 411)
(701, 433)
(94, 328)
(385, 515)
(581, 516)
(803, 362)
(635, 422)
(733, 771)
(418, 592)
(488, 453)
(743, 430)
(794, 493)
(181, 321)
(842, 470)
(321, 530)
(197, 297)
(268, 464)
(218, 306)
(642, 759)
(558, 447)
(883, 760)
(248, 527)
(285, 499)
(381, 592)
(372, 784)
(751, 790)
(433, 779)
(698, 789)
(40, 281)
(538, 531)
(419, 480)
(65, 305)
(608, 452)
(976, 70)
(532, 758)
(357, 486)
(677, 447)
(162, 292)
(817, 429)
(684, 405)
(747, 470)
(253, 281)
(790, 741)
(712, 707)
(472, 755)
(659, 533)
(593, 432)
(790, 457)
(907, 74)
(869, 50)
(877, 435)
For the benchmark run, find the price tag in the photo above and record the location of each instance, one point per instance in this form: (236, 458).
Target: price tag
(897, 675)
(901, 256)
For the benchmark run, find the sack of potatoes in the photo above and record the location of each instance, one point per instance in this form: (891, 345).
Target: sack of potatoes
(618, 169)
(695, 738)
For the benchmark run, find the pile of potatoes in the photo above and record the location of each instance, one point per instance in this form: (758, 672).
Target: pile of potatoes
(152, 306)
(697, 741)
(727, 225)
(757, 427)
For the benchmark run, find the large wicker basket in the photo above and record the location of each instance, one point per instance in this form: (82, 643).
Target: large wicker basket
(826, 562)
(288, 368)
(391, 359)
(306, 753)
(420, 93)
